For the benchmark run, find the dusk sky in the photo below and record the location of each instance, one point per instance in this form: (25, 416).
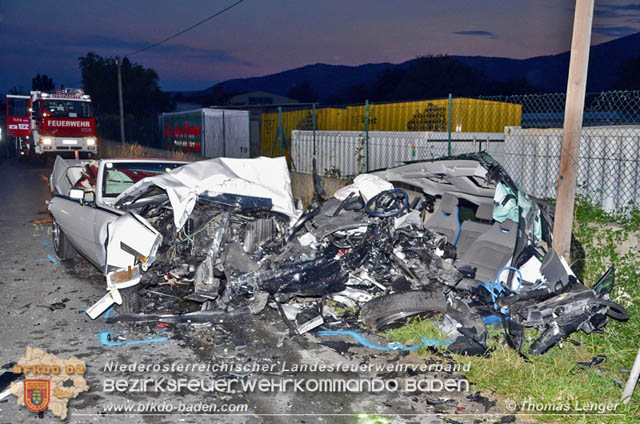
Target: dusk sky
(260, 37)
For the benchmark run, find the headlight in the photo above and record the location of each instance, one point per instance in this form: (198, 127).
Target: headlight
(47, 141)
(91, 141)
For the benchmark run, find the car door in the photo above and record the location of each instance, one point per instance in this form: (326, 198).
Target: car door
(104, 215)
(76, 219)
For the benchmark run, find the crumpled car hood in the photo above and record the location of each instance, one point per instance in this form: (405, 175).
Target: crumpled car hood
(258, 177)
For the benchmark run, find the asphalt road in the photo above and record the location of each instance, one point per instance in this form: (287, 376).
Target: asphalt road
(31, 281)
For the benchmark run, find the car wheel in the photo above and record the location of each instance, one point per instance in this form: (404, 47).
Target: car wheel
(385, 310)
(61, 244)
(130, 301)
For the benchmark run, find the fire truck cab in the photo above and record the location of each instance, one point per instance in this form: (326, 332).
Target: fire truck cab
(53, 123)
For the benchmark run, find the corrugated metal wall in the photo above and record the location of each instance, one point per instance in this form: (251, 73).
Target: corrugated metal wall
(467, 115)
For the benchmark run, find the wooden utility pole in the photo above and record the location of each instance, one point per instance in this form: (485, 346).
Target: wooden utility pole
(118, 63)
(573, 111)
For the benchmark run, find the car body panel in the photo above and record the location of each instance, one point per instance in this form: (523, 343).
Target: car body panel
(89, 225)
(130, 237)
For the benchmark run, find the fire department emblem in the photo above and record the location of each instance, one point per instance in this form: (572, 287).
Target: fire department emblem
(36, 394)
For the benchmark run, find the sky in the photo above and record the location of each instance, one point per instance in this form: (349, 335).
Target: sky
(261, 37)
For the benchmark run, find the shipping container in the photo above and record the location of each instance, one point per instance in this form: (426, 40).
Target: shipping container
(209, 132)
(467, 115)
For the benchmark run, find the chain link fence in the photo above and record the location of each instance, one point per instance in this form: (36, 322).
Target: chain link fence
(522, 132)
(609, 156)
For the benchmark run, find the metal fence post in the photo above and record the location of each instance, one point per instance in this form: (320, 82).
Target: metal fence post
(314, 130)
(250, 138)
(224, 140)
(280, 130)
(449, 136)
(366, 134)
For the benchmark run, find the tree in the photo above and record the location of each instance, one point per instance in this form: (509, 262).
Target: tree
(628, 77)
(303, 92)
(42, 83)
(142, 96)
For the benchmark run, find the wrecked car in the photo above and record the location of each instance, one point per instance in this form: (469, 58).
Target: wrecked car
(453, 238)
(86, 221)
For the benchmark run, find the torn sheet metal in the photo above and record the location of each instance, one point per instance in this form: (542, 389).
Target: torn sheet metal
(131, 237)
(123, 278)
(412, 218)
(260, 177)
(112, 296)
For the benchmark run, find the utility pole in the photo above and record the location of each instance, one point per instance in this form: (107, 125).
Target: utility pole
(118, 63)
(572, 130)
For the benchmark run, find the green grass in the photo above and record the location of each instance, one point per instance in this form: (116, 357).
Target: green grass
(555, 378)
(413, 332)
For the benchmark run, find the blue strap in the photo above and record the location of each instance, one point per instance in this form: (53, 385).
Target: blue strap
(513, 269)
(496, 289)
(391, 346)
(104, 339)
(459, 225)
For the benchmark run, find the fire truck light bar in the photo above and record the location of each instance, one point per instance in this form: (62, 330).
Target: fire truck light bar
(70, 91)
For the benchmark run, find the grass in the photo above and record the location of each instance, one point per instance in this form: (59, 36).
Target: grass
(415, 329)
(554, 378)
(113, 149)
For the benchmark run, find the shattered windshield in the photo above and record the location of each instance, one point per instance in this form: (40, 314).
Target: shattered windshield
(120, 176)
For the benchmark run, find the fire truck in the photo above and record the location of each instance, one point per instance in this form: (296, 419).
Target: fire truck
(51, 123)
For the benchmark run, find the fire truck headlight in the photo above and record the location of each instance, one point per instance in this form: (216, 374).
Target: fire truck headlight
(46, 141)
(91, 141)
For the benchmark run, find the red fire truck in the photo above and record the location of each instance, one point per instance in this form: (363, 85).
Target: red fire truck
(52, 123)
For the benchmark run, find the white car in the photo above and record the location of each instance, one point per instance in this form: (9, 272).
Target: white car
(86, 221)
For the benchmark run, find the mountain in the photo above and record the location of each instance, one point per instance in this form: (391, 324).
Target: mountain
(544, 73)
(324, 79)
(549, 73)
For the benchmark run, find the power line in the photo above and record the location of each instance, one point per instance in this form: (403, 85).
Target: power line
(188, 29)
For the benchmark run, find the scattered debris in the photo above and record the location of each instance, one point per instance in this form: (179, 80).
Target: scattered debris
(7, 392)
(452, 239)
(425, 342)
(483, 400)
(40, 221)
(6, 378)
(595, 361)
(54, 306)
(105, 339)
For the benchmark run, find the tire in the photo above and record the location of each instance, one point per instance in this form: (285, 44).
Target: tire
(130, 301)
(384, 310)
(61, 245)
